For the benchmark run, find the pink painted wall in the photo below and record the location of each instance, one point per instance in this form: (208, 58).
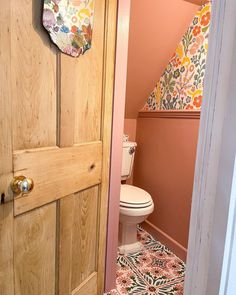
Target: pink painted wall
(130, 128)
(117, 136)
(164, 166)
(156, 27)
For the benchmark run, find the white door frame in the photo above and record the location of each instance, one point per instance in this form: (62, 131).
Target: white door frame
(228, 282)
(213, 182)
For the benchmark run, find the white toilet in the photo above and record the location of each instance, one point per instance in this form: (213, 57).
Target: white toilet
(135, 204)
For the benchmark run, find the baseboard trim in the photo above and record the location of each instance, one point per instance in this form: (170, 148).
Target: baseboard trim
(161, 236)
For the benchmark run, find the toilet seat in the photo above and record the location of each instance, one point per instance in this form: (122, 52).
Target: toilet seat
(135, 201)
(134, 197)
(135, 206)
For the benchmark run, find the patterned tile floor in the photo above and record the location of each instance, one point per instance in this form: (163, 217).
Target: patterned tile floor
(154, 270)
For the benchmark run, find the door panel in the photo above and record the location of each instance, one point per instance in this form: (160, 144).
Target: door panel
(33, 78)
(78, 232)
(84, 236)
(82, 87)
(34, 251)
(88, 105)
(55, 127)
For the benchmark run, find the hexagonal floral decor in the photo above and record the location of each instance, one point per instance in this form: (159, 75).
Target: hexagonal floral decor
(70, 24)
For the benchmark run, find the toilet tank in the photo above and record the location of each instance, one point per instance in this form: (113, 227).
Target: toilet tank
(127, 159)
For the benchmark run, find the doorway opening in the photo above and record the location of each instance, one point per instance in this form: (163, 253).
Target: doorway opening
(163, 97)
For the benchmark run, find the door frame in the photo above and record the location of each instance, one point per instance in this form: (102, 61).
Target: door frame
(108, 94)
(117, 134)
(214, 164)
(216, 152)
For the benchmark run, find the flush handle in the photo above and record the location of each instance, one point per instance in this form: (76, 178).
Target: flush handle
(131, 150)
(22, 185)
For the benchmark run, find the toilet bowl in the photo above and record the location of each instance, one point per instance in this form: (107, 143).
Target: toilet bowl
(135, 206)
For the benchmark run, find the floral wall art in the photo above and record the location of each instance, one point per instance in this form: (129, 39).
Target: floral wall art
(70, 24)
(181, 85)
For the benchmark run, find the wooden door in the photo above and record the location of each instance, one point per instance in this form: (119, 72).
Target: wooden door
(55, 126)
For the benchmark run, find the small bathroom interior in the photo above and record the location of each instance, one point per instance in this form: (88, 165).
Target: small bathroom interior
(166, 61)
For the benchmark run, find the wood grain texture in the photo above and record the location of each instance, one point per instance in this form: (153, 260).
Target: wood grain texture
(87, 74)
(6, 210)
(34, 251)
(6, 249)
(78, 239)
(85, 232)
(81, 83)
(65, 244)
(57, 173)
(108, 88)
(48, 101)
(89, 286)
(66, 123)
(33, 75)
(5, 103)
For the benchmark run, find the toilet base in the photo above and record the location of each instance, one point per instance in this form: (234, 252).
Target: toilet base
(128, 240)
(130, 248)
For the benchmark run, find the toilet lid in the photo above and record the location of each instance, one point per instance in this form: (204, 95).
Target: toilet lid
(134, 197)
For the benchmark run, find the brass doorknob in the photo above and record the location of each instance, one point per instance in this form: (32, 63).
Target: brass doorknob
(22, 184)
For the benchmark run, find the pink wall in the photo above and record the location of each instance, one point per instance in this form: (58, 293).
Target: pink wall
(164, 166)
(156, 27)
(117, 135)
(130, 128)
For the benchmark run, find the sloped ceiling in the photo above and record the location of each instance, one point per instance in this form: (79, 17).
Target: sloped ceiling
(156, 27)
(181, 84)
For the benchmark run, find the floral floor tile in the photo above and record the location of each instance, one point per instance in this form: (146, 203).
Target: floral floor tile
(154, 270)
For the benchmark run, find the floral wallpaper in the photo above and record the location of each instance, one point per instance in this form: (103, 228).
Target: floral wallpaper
(69, 23)
(181, 85)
